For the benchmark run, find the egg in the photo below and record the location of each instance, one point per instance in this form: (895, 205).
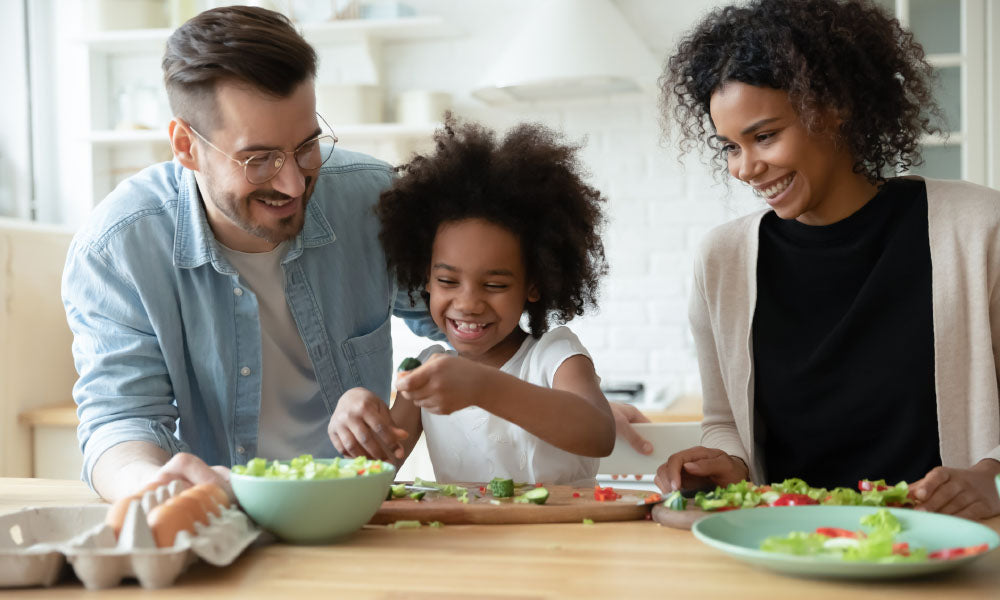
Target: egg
(192, 506)
(204, 495)
(117, 511)
(169, 519)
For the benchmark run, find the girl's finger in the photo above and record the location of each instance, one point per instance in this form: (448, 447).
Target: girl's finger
(960, 502)
(941, 496)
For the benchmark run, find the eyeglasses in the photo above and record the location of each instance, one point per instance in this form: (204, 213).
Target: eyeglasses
(261, 168)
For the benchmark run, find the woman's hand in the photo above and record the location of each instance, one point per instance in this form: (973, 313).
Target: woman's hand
(362, 425)
(625, 415)
(445, 384)
(700, 467)
(969, 493)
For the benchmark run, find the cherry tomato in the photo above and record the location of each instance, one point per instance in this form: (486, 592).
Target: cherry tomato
(837, 532)
(793, 500)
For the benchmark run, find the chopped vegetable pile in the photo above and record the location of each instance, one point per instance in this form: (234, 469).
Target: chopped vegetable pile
(877, 545)
(304, 467)
(794, 492)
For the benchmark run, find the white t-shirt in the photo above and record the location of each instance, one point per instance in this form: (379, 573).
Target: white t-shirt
(289, 390)
(474, 445)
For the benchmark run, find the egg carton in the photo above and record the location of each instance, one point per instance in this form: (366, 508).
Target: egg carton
(36, 543)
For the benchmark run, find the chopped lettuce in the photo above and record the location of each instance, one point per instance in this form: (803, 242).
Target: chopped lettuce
(305, 467)
(877, 545)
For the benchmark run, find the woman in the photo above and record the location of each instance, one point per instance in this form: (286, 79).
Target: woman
(847, 331)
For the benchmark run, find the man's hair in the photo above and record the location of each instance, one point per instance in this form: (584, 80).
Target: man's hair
(242, 44)
(530, 183)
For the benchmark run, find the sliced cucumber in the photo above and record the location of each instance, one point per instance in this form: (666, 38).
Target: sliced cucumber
(408, 364)
(501, 488)
(398, 491)
(536, 495)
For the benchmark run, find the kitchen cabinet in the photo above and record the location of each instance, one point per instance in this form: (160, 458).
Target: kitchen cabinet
(126, 127)
(955, 36)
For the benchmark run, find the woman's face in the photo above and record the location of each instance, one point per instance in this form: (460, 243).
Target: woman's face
(801, 175)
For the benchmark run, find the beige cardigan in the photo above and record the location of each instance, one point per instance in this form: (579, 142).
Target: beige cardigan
(964, 233)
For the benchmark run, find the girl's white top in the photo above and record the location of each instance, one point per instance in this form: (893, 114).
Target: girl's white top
(474, 445)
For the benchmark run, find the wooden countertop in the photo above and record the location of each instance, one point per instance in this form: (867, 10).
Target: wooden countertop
(65, 414)
(619, 560)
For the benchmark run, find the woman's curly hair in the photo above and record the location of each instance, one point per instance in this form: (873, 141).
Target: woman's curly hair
(847, 56)
(529, 183)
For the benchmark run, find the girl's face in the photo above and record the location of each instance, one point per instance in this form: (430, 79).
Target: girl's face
(478, 289)
(801, 175)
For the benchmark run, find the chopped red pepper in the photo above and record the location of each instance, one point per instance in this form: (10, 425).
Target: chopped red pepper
(576, 494)
(653, 498)
(793, 500)
(901, 548)
(361, 471)
(605, 494)
(950, 553)
(482, 489)
(539, 484)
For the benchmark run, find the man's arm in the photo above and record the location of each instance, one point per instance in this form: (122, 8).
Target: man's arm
(417, 317)
(124, 392)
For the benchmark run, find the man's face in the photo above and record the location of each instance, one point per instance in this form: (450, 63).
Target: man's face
(244, 216)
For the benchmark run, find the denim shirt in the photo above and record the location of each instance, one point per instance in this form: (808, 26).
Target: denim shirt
(167, 339)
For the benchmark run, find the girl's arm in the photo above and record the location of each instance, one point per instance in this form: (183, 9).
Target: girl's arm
(406, 416)
(573, 415)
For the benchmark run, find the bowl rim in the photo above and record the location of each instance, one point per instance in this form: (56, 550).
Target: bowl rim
(387, 468)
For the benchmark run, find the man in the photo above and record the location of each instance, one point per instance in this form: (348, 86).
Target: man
(222, 303)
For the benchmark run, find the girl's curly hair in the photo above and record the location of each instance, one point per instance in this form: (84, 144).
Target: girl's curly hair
(529, 183)
(847, 56)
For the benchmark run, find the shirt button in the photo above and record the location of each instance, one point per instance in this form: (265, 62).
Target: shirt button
(241, 450)
(245, 371)
(238, 291)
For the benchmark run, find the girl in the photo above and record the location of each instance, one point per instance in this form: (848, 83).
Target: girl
(491, 232)
(847, 331)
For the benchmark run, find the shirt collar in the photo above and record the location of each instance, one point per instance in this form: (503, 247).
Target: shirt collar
(195, 244)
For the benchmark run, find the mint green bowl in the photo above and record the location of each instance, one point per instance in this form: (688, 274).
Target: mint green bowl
(312, 511)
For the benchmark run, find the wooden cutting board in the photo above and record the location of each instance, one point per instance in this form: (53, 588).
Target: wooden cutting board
(561, 507)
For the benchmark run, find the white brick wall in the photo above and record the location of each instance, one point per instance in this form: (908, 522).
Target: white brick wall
(658, 210)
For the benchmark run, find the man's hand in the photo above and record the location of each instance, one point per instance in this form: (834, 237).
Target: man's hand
(362, 425)
(625, 415)
(190, 468)
(700, 467)
(969, 493)
(445, 383)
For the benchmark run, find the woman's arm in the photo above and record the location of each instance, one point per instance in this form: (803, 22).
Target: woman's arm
(573, 415)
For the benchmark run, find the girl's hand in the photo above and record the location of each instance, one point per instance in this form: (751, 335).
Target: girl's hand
(361, 425)
(969, 493)
(700, 467)
(445, 383)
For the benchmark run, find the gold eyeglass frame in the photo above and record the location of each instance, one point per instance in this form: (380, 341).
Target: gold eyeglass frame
(280, 161)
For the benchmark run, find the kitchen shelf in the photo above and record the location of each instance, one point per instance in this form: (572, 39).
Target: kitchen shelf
(328, 32)
(372, 132)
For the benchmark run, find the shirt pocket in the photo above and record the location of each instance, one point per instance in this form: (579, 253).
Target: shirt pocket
(370, 359)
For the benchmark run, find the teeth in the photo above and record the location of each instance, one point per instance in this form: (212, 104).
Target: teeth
(275, 202)
(468, 327)
(779, 187)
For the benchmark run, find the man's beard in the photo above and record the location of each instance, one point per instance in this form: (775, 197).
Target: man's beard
(238, 211)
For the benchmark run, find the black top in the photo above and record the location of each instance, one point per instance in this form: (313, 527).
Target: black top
(843, 344)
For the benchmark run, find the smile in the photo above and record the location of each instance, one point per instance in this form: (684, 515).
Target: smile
(276, 203)
(771, 190)
(467, 330)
